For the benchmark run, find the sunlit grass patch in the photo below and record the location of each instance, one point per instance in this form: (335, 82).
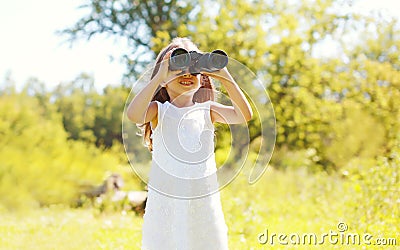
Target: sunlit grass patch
(62, 228)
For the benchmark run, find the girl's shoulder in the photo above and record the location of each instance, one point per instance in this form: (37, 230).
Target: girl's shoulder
(157, 105)
(208, 103)
(153, 106)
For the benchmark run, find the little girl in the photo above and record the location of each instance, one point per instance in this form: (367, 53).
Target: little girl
(177, 110)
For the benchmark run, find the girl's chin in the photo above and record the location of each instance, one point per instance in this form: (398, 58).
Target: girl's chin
(184, 90)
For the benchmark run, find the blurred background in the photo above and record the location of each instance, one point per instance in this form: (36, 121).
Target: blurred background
(331, 69)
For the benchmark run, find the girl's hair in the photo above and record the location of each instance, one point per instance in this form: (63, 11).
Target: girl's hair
(205, 93)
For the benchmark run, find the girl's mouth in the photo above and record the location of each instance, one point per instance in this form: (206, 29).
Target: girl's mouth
(186, 82)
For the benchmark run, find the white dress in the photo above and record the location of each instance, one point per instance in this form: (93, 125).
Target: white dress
(183, 209)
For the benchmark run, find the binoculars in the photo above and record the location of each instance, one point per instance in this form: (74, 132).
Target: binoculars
(196, 62)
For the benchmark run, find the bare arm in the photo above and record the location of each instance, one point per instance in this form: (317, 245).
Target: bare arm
(142, 109)
(240, 111)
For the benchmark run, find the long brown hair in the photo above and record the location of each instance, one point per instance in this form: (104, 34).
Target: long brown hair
(205, 93)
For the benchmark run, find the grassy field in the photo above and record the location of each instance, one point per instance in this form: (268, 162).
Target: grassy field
(59, 228)
(282, 202)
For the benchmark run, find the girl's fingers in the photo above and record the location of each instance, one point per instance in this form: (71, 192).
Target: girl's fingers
(163, 70)
(166, 58)
(214, 74)
(175, 72)
(219, 74)
(168, 54)
(172, 75)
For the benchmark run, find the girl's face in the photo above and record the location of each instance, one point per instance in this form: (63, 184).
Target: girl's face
(184, 83)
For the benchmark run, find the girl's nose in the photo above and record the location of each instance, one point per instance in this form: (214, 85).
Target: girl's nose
(187, 75)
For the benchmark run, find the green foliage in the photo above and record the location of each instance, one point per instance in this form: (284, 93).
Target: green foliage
(39, 166)
(352, 130)
(311, 94)
(375, 186)
(88, 115)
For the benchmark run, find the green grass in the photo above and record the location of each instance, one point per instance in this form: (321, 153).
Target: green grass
(60, 228)
(286, 202)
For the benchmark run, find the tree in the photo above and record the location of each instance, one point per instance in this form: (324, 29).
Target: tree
(39, 166)
(137, 22)
(88, 115)
(76, 101)
(279, 42)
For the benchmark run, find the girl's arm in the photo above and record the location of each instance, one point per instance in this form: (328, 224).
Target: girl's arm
(141, 109)
(240, 111)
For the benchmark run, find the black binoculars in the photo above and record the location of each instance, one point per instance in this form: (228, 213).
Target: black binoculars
(196, 62)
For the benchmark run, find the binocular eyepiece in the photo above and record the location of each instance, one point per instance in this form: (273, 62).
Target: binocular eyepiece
(196, 62)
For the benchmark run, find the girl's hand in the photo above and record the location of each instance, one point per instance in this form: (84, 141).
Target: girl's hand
(164, 74)
(223, 75)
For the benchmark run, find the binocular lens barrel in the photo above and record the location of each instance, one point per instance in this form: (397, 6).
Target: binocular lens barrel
(218, 59)
(180, 59)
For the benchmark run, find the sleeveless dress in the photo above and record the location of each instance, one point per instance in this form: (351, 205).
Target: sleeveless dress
(183, 208)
